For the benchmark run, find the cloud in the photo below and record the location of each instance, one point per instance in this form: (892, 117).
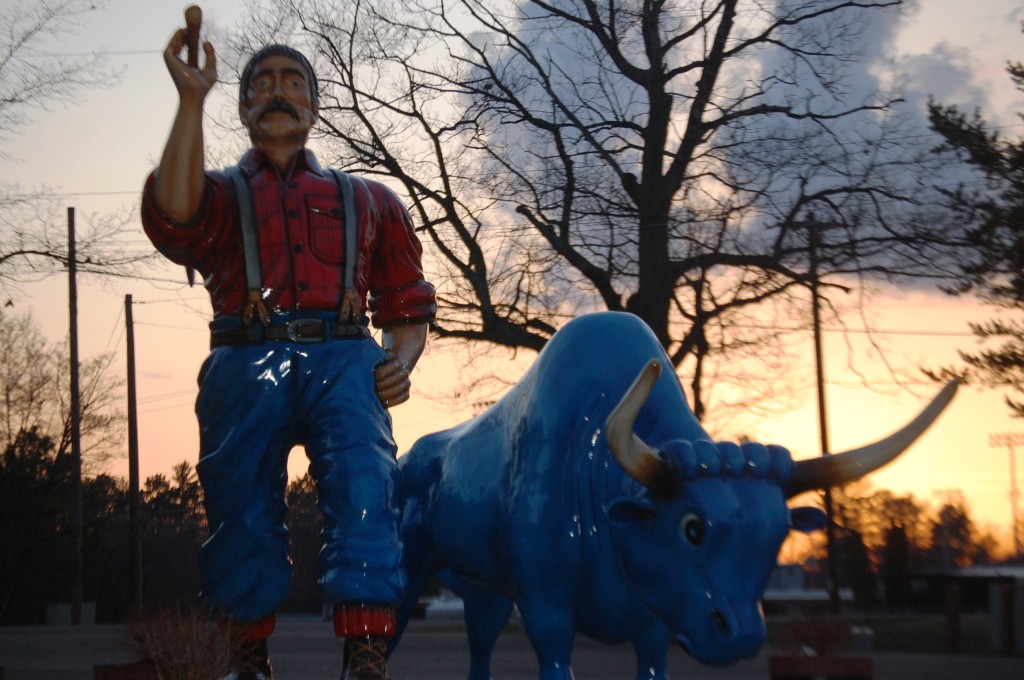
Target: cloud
(882, 28)
(947, 74)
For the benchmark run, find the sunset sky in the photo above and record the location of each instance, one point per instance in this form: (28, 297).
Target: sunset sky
(95, 155)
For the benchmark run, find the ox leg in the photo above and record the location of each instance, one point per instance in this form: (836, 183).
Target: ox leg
(651, 649)
(551, 630)
(417, 584)
(418, 559)
(486, 614)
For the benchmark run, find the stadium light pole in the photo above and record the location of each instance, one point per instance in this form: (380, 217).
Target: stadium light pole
(1011, 440)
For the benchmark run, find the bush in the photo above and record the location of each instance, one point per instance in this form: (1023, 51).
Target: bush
(183, 644)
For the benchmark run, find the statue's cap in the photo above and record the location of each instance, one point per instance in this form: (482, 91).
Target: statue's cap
(278, 50)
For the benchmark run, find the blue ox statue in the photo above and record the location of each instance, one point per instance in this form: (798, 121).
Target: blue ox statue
(597, 503)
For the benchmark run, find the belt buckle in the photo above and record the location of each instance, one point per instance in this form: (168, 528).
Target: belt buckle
(305, 330)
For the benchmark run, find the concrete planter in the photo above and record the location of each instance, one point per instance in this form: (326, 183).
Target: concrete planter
(802, 667)
(139, 670)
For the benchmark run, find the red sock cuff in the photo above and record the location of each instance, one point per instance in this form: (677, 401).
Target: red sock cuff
(360, 620)
(252, 631)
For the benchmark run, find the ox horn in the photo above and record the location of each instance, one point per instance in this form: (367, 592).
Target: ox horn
(826, 471)
(639, 460)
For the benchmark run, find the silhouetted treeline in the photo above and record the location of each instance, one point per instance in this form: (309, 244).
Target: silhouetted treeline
(885, 541)
(36, 537)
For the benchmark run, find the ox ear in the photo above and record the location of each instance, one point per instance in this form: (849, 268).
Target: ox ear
(806, 520)
(629, 512)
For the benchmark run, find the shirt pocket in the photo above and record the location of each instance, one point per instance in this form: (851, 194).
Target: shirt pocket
(325, 217)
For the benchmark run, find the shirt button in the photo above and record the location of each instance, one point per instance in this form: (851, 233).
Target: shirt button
(293, 213)
(293, 185)
(303, 287)
(297, 248)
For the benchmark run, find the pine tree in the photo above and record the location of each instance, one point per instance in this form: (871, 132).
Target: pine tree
(994, 209)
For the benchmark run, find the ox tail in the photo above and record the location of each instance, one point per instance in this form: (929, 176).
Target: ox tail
(826, 471)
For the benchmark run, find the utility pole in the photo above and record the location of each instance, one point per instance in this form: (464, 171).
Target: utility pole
(812, 226)
(1011, 440)
(134, 499)
(76, 429)
(950, 497)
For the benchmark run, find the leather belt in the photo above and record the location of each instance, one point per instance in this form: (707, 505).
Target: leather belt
(296, 330)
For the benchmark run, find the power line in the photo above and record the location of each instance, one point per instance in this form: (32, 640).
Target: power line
(171, 327)
(863, 331)
(39, 54)
(118, 330)
(167, 395)
(786, 329)
(72, 194)
(174, 300)
(866, 144)
(165, 408)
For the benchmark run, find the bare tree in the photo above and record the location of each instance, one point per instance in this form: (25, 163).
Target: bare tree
(687, 162)
(34, 394)
(34, 77)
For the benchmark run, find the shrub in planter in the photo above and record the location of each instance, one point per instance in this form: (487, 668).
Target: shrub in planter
(183, 645)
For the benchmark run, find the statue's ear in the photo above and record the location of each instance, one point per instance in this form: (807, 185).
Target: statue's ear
(243, 115)
(629, 512)
(806, 520)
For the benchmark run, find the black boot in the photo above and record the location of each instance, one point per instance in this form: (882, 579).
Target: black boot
(365, 659)
(250, 660)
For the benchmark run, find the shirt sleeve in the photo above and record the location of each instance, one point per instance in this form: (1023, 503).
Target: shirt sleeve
(188, 244)
(398, 292)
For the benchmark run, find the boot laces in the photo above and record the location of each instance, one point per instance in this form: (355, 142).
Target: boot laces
(367, 658)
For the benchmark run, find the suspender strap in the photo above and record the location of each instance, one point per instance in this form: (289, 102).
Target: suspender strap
(351, 226)
(349, 305)
(250, 245)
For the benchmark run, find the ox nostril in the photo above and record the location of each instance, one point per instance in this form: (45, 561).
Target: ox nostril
(720, 622)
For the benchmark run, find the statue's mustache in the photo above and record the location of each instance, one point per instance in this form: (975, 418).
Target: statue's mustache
(282, 106)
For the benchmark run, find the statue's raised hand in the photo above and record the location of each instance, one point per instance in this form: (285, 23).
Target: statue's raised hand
(192, 81)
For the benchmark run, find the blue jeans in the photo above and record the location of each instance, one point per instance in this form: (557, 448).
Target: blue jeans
(255, 403)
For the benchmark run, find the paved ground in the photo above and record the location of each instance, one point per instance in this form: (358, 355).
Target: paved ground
(304, 648)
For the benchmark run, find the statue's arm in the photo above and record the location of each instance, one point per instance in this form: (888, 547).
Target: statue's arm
(180, 180)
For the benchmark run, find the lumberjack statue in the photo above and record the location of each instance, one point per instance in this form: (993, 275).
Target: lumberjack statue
(289, 253)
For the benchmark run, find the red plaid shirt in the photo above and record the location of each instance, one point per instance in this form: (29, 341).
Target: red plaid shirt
(300, 221)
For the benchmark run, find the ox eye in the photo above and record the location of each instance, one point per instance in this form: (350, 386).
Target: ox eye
(693, 528)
